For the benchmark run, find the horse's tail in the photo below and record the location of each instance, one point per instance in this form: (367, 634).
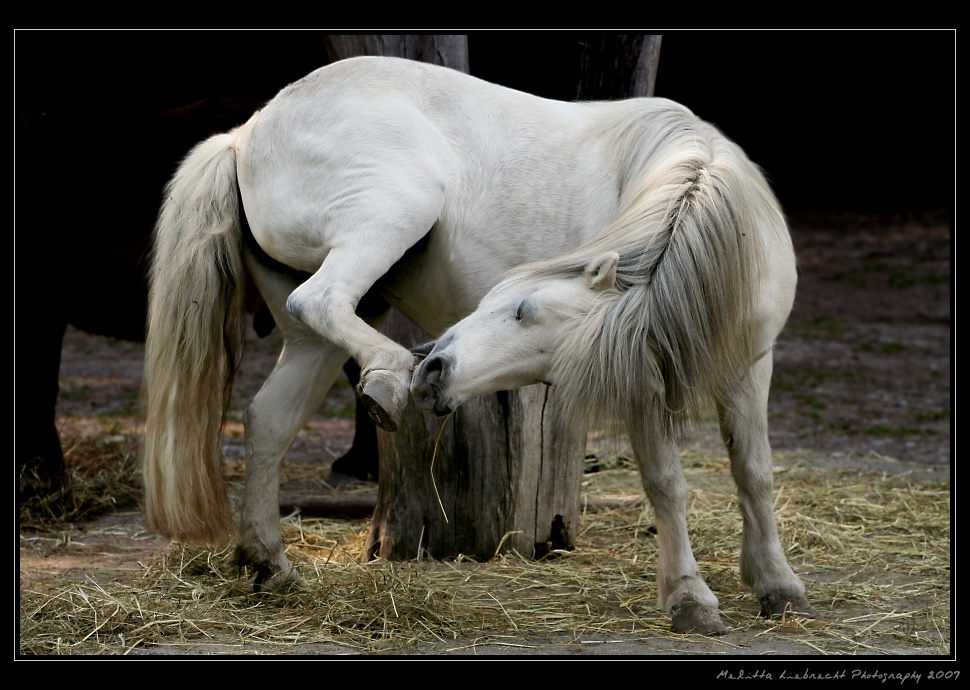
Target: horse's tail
(680, 329)
(195, 318)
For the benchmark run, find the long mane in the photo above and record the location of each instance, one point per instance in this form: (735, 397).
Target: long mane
(678, 328)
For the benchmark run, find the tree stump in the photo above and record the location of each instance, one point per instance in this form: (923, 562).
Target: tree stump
(495, 476)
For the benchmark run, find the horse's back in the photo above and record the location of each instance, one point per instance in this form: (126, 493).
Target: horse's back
(360, 148)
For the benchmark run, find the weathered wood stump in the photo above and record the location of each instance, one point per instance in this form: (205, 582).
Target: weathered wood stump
(493, 477)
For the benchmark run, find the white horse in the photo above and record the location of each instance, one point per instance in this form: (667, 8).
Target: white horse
(380, 181)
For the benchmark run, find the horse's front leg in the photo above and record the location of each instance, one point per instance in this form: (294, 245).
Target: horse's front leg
(744, 429)
(682, 591)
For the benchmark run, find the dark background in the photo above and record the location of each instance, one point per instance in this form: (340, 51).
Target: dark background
(840, 120)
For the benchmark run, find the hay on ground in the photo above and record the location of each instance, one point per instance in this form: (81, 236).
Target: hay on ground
(873, 550)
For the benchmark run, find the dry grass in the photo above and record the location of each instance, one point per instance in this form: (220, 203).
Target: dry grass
(873, 550)
(103, 476)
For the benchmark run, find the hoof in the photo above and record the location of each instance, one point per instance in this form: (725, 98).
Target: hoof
(281, 577)
(772, 605)
(691, 617)
(383, 397)
(268, 580)
(364, 468)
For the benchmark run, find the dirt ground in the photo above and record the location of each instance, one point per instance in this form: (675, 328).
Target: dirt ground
(863, 380)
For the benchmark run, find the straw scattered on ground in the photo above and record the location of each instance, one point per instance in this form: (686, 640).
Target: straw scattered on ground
(873, 550)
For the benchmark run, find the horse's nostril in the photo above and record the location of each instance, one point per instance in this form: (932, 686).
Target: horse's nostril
(432, 369)
(428, 380)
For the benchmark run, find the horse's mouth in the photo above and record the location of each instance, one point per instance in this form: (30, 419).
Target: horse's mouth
(442, 406)
(442, 411)
(428, 397)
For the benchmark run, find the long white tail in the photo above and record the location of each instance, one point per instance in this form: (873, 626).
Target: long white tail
(195, 318)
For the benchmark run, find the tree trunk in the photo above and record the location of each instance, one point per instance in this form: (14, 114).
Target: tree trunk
(494, 476)
(616, 66)
(450, 50)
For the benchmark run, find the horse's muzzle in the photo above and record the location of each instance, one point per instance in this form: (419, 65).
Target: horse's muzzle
(428, 382)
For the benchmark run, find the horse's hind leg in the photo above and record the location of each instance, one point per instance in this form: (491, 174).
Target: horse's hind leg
(402, 212)
(293, 392)
(744, 428)
(40, 460)
(298, 384)
(326, 302)
(682, 591)
(361, 460)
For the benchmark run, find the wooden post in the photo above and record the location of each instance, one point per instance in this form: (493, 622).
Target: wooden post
(614, 66)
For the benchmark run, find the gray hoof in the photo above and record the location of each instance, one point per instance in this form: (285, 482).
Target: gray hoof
(267, 577)
(281, 582)
(381, 394)
(778, 605)
(691, 617)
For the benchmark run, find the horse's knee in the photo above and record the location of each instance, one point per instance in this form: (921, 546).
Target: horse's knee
(667, 494)
(754, 484)
(298, 307)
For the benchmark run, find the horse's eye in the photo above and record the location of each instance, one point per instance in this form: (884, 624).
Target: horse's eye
(526, 311)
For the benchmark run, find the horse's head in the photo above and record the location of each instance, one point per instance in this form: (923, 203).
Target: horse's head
(511, 340)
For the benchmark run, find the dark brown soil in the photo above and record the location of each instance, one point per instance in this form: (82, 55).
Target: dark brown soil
(864, 365)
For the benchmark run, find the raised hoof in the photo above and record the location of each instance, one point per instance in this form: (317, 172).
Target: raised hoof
(772, 605)
(383, 398)
(691, 617)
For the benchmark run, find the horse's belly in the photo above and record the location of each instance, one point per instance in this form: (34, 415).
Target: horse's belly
(299, 250)
(443, 278)
(435, 293)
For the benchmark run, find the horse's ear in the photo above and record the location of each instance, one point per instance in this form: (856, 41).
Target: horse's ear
(601, 272)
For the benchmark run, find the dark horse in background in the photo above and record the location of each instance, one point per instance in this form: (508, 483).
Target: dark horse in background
(82, 239)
